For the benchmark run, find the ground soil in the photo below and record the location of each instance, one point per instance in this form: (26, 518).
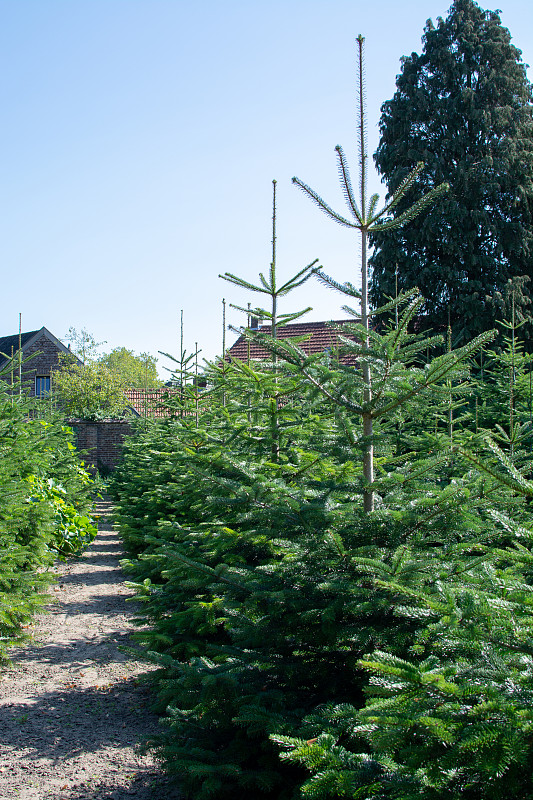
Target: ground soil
(72, 707)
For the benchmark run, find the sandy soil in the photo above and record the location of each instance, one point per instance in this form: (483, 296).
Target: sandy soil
(71, 708)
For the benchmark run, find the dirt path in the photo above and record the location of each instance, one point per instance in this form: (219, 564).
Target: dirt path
(71, 709)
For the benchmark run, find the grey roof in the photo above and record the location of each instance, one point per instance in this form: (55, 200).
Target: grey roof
(26, 339)
(8, 342)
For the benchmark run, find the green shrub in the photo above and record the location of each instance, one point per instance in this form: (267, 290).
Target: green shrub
(44, 498)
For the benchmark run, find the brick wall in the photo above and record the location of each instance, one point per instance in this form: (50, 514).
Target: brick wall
(102, 440)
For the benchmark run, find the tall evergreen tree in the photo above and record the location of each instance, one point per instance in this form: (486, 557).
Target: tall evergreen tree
(463, 107)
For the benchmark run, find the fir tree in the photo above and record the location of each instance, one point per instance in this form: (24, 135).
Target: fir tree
(368, 220)
(272, 289)
(464, 108)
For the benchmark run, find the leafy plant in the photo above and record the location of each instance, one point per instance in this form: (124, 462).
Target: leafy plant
(133, 371)
(44, 503)
(88, 391)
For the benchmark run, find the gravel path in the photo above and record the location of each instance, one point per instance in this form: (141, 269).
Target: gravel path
(71, 708)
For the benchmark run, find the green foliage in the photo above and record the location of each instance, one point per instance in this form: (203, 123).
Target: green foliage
(83, 344)
(44, 499)
(95, 388)
(133, 371)
(261, 577)
(385, 650)
(74, 531)
(88, 391)
(453, 720)
(504, 394)
(449, 716)
(464, 108)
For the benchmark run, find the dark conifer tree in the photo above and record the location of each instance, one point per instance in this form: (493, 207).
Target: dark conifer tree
(464, 108)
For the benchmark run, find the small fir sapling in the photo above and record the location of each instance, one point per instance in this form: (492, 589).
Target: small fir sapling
(271, 288)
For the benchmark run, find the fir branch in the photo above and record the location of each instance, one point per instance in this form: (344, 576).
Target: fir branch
(401, 190)
(344, 288)
(439, 369)
(322, 205)
(267, 286)
(301, 277)
(346, 184)
(395, 302)
(228, 276)
(413, 211)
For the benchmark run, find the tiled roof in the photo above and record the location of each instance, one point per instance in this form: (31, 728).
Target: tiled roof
(320, 336)
(147, 402)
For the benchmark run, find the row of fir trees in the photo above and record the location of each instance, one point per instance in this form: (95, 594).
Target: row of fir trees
(306, 645)
(45, 502)
(334, 552)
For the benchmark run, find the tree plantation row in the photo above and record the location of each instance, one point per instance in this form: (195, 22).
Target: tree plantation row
(306, 645)
(334, 551)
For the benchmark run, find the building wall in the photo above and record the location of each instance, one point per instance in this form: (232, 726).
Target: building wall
(46, 360)
(103, 442)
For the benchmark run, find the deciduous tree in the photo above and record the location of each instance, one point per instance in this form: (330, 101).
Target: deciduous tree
(136, 371)
(88, 391)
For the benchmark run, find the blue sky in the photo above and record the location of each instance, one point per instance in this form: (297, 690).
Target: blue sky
(140, 139)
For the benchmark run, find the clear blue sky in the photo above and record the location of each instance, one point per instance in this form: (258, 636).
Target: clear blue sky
(140, 138)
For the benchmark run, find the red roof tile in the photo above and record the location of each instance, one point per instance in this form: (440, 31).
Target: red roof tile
(320, 336)
(147, 402)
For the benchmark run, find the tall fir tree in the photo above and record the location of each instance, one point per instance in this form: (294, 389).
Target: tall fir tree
(367, 219)
(464, 108)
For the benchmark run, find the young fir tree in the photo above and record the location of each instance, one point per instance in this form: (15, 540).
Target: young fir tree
(464, 108)
(274, 291)
(504, 393)
(453, 719)
(225, 507)
(369, 221)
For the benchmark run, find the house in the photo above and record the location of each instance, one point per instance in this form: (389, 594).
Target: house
(320, 337)
(42, 348)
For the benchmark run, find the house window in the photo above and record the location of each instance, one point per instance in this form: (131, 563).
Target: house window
(42, 385)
